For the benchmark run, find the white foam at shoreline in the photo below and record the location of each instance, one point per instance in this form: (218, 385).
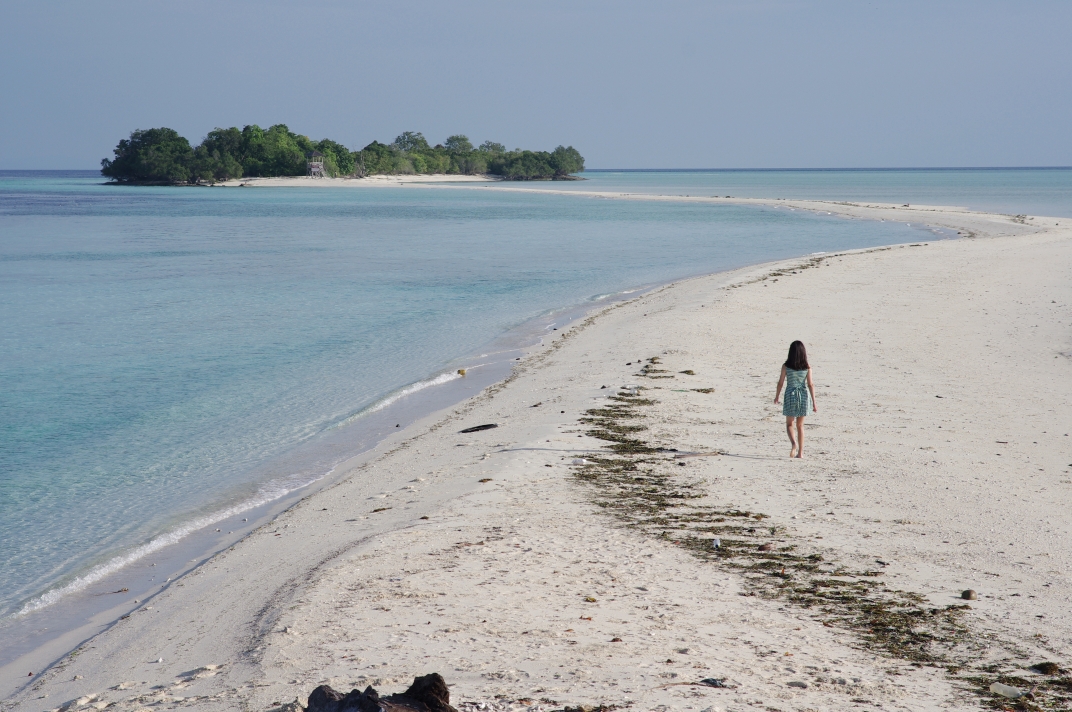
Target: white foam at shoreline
(270, 492)
(392, 398)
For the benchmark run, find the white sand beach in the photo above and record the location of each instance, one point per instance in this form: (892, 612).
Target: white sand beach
(368, 181)
(938, 461)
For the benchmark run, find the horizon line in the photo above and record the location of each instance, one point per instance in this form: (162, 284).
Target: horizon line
(872, 168)
(706, 170)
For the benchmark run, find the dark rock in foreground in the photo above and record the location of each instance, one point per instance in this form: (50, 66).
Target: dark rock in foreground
(428, 693)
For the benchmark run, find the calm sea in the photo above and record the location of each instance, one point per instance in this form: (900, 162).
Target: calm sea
(173, 358)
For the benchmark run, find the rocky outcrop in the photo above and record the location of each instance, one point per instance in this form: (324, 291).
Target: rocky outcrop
(428, 693)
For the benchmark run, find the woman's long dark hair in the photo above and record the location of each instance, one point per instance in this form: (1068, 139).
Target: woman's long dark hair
(798, 357)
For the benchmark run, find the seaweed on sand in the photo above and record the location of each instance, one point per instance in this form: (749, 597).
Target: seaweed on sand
(634, 483)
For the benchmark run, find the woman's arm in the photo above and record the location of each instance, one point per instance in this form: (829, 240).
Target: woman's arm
(781, 380)
(811, 389)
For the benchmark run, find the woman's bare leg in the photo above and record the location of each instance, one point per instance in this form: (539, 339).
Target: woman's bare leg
(789, 432)
(800, 437)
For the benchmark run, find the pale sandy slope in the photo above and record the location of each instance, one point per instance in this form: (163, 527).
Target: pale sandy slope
(490, 589)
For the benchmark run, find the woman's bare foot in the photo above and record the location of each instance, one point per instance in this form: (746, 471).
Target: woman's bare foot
(793, 451)
(800, 455)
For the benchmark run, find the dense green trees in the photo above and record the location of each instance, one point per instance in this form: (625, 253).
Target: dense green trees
(535, 165)
(163, 156)
(410, 153)
(151, 155)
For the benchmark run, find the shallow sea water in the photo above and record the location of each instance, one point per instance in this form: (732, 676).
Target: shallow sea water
(174, 356)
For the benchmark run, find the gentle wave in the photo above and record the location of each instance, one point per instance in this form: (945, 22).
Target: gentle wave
(396, 396)
(270, 492)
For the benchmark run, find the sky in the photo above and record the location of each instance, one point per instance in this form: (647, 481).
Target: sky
(689, 84)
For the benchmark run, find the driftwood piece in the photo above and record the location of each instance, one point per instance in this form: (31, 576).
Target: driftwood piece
(428, 693)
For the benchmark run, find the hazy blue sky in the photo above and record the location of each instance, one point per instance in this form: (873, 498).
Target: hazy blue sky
(630, 84)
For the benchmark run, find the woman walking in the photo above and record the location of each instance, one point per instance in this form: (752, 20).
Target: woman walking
(796, 373)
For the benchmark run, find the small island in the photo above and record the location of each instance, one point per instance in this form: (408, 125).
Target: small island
(161, 156)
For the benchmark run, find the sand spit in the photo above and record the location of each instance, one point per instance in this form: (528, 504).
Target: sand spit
(939, 461)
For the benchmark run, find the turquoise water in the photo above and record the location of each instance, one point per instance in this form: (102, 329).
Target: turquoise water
(1032, 191)
(173, 357)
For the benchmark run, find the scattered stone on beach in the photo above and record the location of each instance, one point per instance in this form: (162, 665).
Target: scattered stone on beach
(969, 594)
(428, 693)
(798, 683)
(766, 547)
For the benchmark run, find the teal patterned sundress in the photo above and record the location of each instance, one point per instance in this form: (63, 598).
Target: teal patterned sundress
(795, 404)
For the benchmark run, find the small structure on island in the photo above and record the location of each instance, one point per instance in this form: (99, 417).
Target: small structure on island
(314, 166)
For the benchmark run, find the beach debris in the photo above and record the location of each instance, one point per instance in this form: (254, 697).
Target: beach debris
(969, 594)
(536, 405)
(484, 479)
(589, 599)
(461, 371)
(766, 547)
(1045, 668)
(798, 683)
(478, 428)
(380, 509)
(616, 639)
(428, 693)
(715, 682)
(578, 461)
(716, 543)
(688, 372)
(1013, 693)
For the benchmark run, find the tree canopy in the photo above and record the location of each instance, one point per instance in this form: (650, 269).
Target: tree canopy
(161, 155)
